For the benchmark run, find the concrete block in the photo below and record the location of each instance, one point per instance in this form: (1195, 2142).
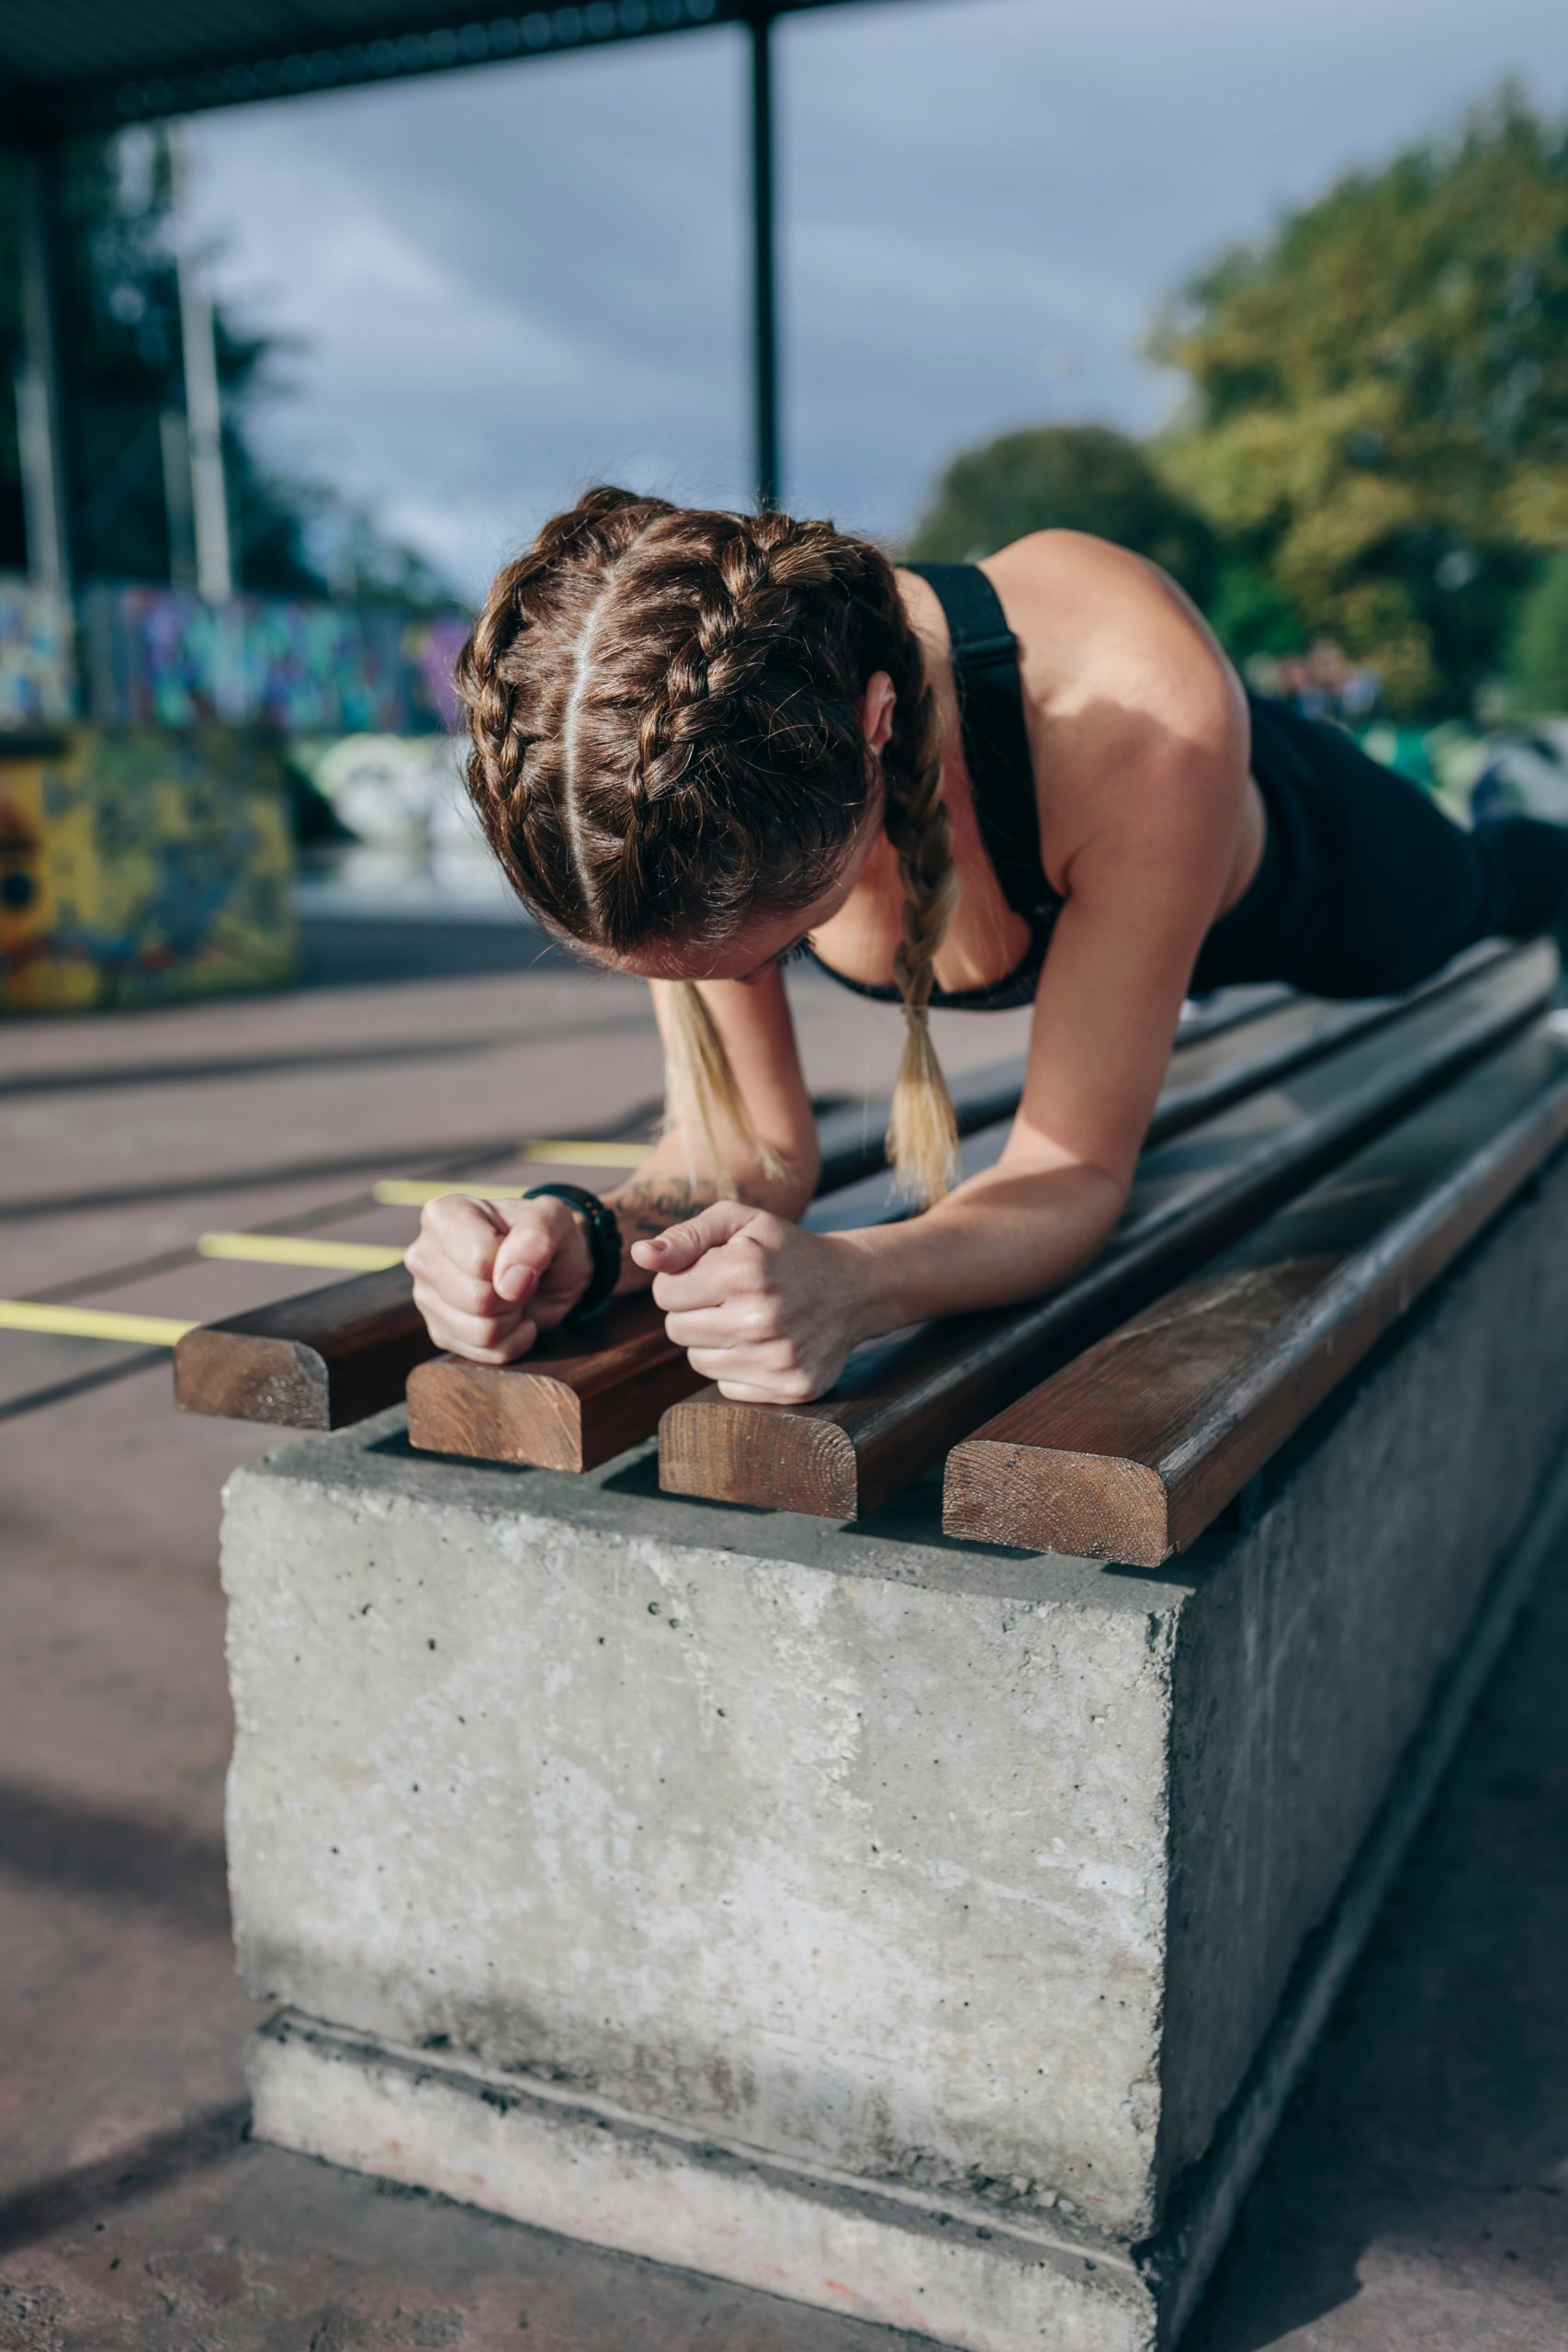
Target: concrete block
(917, 1928)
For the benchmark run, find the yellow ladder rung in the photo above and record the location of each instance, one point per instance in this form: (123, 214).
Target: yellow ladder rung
(89, 1323)
(300, 1250)
(584, 1155)
(412, 1191)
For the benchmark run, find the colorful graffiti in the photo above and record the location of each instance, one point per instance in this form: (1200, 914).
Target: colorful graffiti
(159, 657)
(430, 656)
(35, 655)
(139, 868)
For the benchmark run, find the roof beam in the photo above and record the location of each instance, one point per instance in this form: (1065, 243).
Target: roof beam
(394, 43)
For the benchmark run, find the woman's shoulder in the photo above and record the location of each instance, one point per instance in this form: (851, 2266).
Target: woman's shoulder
(1109, 642)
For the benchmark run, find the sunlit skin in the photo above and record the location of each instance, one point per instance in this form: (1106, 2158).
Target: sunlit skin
(1151, 827)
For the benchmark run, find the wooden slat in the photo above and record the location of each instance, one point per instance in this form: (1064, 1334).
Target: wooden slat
(1130, 1452)
(561, 1408)
(331, 1356)
(317, 1362)
(1213, 1067)
(902, 1402)
(578, 1398)
(582, 1395)
(850, 1138)
(1216, 1068)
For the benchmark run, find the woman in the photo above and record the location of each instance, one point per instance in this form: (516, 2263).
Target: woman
(701, 742)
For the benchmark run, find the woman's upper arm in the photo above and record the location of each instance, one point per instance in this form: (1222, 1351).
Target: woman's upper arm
(753, 1020)
(1130, 698)
(1141, 739)
(1143, 893)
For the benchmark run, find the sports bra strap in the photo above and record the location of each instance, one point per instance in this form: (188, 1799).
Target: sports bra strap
(996, 740)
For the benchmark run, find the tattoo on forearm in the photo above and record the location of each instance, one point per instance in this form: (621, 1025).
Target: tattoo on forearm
(650, 1205)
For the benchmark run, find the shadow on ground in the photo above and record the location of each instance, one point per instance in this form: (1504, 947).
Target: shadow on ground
(1417, 2191)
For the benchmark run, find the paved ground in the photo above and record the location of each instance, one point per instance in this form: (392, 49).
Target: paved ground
(1417, 2194)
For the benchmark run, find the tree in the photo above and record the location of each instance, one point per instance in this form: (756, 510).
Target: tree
(122, 373)
(1538, 653)
(1378, 412)
(1083, 477)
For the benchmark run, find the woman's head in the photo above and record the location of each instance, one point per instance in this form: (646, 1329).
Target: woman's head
(686, 727)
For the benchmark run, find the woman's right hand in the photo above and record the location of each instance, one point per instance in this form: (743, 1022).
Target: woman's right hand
(489, 1276)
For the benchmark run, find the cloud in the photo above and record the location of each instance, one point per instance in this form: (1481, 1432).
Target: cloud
(511, 281)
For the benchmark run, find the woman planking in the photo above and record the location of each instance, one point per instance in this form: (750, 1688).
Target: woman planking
(703, 743)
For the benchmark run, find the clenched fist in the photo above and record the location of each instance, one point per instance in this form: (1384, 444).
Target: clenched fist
(489, 1276)
(766, 1310)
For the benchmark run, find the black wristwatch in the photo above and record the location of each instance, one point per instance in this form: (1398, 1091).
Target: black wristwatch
(603, 1244)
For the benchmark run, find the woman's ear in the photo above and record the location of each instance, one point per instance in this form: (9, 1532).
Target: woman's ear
(877, 710)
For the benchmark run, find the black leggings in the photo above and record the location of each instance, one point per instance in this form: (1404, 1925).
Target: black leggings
(1365, 886)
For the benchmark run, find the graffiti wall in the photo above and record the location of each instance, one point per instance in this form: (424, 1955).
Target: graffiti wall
(35, 655)
(159, 657)
(136, 867)
(430, 656)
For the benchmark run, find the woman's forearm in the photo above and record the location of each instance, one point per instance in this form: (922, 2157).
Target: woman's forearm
(1009, 1234)
(664, 1191)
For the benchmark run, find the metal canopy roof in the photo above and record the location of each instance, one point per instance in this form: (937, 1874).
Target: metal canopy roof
(68, 65)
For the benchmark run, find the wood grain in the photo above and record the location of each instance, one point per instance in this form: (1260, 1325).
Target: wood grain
(316, 1362)
(903, 1402)
(1130, 1452)
(331, 1356)
(570, 1406)
(583, 1394)
(1216, 1068)
(335, 1354)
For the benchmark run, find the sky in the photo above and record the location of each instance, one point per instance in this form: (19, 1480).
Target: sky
(502, 284)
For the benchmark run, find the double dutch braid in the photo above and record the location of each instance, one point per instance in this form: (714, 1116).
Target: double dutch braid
(664, 714)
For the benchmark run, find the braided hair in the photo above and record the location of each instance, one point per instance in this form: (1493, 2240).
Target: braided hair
(664, 714)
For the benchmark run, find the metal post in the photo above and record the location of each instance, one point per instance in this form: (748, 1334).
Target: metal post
(203, 428)
(174, 441)
(204, 407)
(39, 404)
(765, 271)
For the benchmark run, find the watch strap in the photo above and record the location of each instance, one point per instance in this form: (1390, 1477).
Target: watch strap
(603, 1244)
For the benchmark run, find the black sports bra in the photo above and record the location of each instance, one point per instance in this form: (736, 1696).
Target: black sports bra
(1001, 776)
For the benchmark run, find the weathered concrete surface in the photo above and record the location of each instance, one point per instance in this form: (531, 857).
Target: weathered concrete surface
(1413, 2201)
(1308, 1652)
(723, 1818)
(511, 2148)
(518, 1755)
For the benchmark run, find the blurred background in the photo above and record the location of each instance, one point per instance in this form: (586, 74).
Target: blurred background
(1280, 298)
(310, 310)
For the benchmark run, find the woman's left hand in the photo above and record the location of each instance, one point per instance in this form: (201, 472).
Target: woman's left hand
(766, 1310)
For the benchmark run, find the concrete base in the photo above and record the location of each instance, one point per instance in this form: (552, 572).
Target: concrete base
(926, 1933)
(622, 2182)
(961, 2275)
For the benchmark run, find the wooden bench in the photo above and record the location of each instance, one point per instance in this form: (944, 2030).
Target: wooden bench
(583, 1396)
(1294, 1197)
(903, 1402)
(335, 1354)
(1131, 1449)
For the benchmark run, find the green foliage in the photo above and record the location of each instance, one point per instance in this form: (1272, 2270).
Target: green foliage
(1247, 611)
(1079, 476)
(1378, 420)
(1537, 650)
